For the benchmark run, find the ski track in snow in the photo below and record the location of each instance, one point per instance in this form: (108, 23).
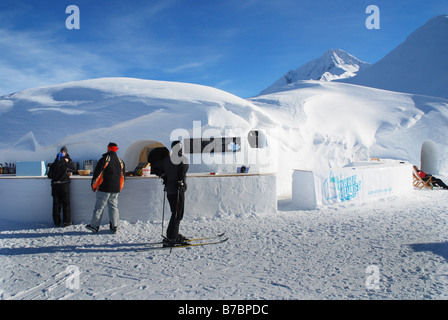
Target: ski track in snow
(288, 254)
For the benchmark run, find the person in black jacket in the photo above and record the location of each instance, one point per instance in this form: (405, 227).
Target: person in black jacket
(173, 171)
(113, 169)
(59, 172)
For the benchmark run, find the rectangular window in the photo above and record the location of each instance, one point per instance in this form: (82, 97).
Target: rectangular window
(253, 139)
(212, 145)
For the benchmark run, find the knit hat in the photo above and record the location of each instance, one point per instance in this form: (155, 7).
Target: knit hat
(112, 147)
(64, 149)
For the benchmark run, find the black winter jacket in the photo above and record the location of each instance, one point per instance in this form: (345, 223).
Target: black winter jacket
(171, 173)
(112, 174)
(59, 171)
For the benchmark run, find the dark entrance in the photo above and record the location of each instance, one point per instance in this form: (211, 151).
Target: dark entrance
(158, 154)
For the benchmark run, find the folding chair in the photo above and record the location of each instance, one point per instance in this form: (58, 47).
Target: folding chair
(419, 183)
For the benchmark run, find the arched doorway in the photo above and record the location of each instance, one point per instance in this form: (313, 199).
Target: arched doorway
(153, 153)
(142, 152)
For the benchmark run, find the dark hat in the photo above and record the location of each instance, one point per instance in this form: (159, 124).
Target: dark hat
(177, 146)
(64, 149)
(112, 147)
(175, 143)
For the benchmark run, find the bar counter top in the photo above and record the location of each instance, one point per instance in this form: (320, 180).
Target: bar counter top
(152, 176)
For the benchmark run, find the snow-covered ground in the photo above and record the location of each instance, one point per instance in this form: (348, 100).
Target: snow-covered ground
(395, 248)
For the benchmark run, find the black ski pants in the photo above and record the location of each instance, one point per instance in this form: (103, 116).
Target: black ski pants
(177, 202)
(436, 181)
(61, 200)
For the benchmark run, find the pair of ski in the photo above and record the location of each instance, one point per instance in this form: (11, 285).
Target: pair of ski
(204, 241)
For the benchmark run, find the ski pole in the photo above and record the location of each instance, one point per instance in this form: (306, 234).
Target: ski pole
(177, 203)
(163, 208)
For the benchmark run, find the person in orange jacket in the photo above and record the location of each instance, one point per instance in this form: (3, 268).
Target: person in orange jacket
(112, 169)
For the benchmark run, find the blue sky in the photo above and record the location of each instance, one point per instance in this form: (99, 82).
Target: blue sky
(240, 46)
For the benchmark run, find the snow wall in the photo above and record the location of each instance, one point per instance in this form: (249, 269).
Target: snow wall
(359, 182)
(28, 200)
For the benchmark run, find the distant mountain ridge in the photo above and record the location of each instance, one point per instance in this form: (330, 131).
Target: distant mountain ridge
(418, 65)
(333, 64)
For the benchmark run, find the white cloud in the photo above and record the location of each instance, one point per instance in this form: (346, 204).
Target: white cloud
(30, 59)
(191, 65)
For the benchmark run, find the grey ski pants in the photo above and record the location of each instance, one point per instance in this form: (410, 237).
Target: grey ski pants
(111, 200)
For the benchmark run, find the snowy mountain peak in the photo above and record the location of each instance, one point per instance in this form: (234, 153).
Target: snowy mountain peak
(333, 64)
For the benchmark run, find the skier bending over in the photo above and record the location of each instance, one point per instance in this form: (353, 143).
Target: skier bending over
(173, 170)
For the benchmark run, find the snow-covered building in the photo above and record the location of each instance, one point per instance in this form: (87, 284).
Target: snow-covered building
(230, 155)
(220, 131)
